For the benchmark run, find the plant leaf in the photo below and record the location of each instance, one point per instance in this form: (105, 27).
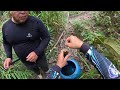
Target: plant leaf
(113, 46)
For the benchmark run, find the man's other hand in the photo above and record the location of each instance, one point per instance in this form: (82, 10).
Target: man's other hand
(32, 57)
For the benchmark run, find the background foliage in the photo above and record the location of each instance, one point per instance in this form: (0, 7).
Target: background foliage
(102, 31)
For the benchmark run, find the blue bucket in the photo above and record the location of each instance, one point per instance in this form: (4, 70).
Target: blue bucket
(71, 71)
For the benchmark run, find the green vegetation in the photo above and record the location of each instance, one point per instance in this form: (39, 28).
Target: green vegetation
(71, 13)
(102, 31)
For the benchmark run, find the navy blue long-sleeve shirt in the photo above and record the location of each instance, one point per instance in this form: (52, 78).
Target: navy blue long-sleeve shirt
(29, 36)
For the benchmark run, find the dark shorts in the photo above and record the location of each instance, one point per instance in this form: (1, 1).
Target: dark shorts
(41, 64)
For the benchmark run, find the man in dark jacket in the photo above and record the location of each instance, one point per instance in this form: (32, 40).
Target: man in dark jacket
(28, 36)
(104, 66)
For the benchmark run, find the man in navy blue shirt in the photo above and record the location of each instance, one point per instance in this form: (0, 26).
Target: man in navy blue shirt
(29, 38)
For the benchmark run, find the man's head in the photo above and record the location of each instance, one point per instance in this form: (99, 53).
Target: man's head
(19, 16)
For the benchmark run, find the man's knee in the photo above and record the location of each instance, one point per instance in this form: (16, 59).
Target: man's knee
(32, 67)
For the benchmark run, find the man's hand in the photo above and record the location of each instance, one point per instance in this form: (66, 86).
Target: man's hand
(32, 57)
(7, 63)
(61, 61)
(73, 42)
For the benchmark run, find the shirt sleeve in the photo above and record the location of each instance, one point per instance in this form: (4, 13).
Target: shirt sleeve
(101, 63)
(53, 72)
(6, 45)
(44, 36)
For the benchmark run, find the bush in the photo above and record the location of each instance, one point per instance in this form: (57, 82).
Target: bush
(108, 22)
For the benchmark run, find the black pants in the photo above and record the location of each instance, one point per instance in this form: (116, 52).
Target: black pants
(41, 63)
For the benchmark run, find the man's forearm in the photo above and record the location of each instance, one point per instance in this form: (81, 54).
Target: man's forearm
(42, 46)
(101, 63)
(53, 72)
(8, 50)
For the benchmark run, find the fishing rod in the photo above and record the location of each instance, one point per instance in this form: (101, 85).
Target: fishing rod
(15, 61)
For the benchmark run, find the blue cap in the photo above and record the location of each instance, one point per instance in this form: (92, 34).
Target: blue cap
(71, 71)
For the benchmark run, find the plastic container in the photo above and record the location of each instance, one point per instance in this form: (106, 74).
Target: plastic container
(71, 71)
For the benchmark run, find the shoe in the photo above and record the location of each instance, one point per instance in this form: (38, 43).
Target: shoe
(39, 76)
(43, 74)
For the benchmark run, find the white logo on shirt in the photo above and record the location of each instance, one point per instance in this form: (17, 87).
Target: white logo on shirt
(29, 35)
(113, 72)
